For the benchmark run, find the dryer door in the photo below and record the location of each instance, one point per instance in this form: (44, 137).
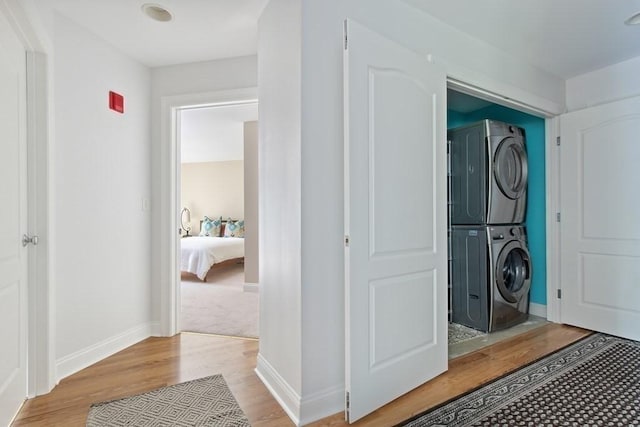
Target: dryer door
(510, 168)
(513, 271)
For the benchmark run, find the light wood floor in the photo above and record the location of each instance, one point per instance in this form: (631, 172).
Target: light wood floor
(157, 362)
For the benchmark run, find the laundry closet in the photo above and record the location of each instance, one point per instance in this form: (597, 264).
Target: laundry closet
(497, 214)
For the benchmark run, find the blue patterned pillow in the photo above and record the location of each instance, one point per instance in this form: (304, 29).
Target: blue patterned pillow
(211, 227)
(234, 228)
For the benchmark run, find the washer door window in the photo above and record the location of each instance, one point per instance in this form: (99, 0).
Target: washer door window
(513, 272)
(510, 168)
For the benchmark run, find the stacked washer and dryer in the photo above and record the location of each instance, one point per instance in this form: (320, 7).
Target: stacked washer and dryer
(490, 266)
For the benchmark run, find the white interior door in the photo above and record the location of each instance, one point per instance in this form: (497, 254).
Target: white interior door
(395, 177)
(600, 229)
(13, 185)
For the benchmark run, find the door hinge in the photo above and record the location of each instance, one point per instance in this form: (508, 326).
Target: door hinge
(559, 293)
(558, 141)
(345, 36)
(346, 241)
(449, 158)
(347, 407)
(557, 216)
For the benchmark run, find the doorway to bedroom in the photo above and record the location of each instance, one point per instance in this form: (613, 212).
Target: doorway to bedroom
(218, 219)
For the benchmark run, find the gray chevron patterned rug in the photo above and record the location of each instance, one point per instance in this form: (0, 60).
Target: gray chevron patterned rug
(202, 402)
(595, 381)
(459, 333)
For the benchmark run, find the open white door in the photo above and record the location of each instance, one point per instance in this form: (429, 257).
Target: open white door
(395, 220)
(600, 228)
(13, 203)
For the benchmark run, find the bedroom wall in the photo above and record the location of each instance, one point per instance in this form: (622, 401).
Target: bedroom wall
(194, 78)
(318, 388)
(251, 211)
(213, 189)
(100, 223)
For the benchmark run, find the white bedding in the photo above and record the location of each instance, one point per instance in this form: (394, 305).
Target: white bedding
(199, 253)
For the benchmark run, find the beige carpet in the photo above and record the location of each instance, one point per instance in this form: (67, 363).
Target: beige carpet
(220, 305)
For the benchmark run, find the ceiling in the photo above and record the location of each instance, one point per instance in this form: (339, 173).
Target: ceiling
(563, 37)
(463, 103)
(214, 134)
(201, 30)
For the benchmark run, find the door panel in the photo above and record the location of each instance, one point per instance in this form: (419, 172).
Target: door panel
(395, 177)
(12, 220)
(600, 231)
(411, 292)
(407, 154)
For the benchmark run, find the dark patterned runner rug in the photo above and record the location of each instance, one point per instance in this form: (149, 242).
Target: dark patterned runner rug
(202, 402)
(595, 381)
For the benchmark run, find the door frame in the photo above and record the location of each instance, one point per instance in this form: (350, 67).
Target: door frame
(170, 192)
(552, 173)
(41, 373)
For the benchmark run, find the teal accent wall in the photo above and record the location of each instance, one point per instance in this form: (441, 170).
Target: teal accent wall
(536, 208)
(455, 119)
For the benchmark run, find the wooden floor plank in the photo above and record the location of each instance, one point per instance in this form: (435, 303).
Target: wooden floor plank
(469, 372)
(158, 362)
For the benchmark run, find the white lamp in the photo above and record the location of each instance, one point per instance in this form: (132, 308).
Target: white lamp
(185, 220)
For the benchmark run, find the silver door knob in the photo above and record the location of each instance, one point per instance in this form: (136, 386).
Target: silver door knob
(26, 239)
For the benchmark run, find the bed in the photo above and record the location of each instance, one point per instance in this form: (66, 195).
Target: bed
(199, 253)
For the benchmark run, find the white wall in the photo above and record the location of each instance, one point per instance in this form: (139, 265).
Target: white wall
(101, 172)
(213, 189)
(607, 84)
(171, 81)
(279, 359)
(321, 303)
(251, 200)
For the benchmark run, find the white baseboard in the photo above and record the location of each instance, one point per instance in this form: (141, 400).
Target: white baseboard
(251, 287)
(303, 411)
(156, 329)
(322, 404)
(280, 389)
(81, 359)
(538, 309)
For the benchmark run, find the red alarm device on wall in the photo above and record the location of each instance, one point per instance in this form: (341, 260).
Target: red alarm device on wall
(116, 102)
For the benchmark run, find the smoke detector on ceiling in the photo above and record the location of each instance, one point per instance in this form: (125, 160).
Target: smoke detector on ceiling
(156, 12)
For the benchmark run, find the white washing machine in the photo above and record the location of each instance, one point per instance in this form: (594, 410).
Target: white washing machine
(488, 173)
(490, 276)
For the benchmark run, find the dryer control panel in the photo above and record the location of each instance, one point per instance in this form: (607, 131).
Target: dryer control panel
(510, 232)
